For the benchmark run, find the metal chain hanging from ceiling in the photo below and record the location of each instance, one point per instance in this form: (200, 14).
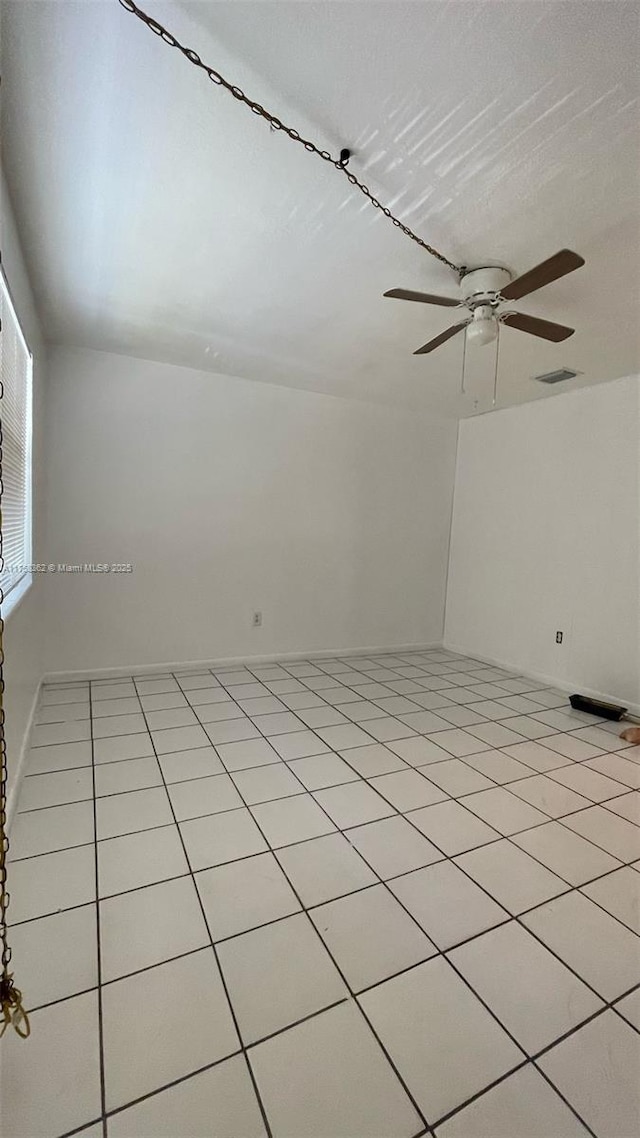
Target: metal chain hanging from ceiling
(11, 1009)
(276, 124)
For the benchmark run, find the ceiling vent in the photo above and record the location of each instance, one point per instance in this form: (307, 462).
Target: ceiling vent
(558, 376)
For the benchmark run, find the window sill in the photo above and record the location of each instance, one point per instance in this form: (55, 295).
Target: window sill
(14, 599)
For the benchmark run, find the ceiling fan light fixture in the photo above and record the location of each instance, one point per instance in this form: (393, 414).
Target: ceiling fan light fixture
(483, 329)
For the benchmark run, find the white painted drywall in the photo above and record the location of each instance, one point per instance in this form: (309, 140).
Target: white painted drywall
(229, 496)
(23, 633)
(545, 537)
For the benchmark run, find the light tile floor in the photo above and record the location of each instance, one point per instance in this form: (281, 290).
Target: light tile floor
(353, 898)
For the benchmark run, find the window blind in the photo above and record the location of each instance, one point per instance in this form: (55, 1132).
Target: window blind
(15, 416)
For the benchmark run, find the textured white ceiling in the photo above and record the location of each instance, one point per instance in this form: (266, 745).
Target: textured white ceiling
(162, 219)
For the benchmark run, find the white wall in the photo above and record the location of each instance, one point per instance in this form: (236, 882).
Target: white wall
(23, 635)
(328, 515)
(545, 537)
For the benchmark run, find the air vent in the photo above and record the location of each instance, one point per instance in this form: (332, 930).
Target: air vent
(558, 376)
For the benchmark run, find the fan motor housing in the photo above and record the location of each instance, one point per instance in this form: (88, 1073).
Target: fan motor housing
(482, 286)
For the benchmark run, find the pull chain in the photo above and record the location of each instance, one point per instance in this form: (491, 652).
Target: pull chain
(276, 124)
(11, 1009)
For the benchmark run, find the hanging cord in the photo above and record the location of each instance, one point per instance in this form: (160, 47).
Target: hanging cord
(276, 124)
(11, 1009)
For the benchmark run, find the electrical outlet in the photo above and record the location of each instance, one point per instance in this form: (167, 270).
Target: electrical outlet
(256, 621)
(559, 636)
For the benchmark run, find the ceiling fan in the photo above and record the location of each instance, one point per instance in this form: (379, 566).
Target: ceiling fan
(483, 292)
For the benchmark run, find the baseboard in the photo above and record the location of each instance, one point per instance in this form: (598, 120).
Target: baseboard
(551, 681)
(234, 661)
(17, 780)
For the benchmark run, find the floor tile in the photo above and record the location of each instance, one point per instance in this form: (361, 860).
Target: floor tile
(225, 1093)
(444, 1043)
(169, 1037)
(344, 736)
(602, 951)
(122, 747)
(262, 705)
(362, 711)
(299, 744)
(596, 1069)
(263, 784)
(352, 804)
(571, 747)
(496, 734)
(537, 756)
(339, 1081)
(626, 806)
(601, 739)
(513, 878)
(244, 894)
(418, 751)
(370, 936)
(567, 854)
(408, 790)
(503, 810)
(388, 729)
(178, 739)
(498, 767)
(56, 955)
(203, 796)
(452, 828)
(373, 760)
(459, 743)
(425, 721)
(55, 789)
(549, 796)
(219, 838)
(613, 834)
(619, 894)
(590, 783)
(393, 846)
(181, 766)
(49, 1089)
(302, 700)
(208, 696)
(161, 702)
(45, 831)
(551, 1002)
(321, 717)
(319, 771)
(114, 689)
(133, 774)
(71, 732)
(150, 925)
(128, 813)
(521, 1106)
(227, 712)
(247, 753)
(278, 723)
(174, 717)
(139, 859)
(629, 1007)
(126, 706)
(617, 767)
(51, 882)
(114, 725)
(462, 716)
(448, 906)
(61, 757)
(325, 868)
(457, 777)
(292, 820)
(278, 974)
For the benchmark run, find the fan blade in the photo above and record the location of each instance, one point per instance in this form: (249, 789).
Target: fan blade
(535, 327)
(424, 297)
(442, 338)
(557, 266)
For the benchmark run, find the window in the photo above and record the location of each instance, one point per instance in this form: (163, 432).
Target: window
(15, 416)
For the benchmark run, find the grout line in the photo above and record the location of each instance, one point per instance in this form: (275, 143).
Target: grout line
(98, 943)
